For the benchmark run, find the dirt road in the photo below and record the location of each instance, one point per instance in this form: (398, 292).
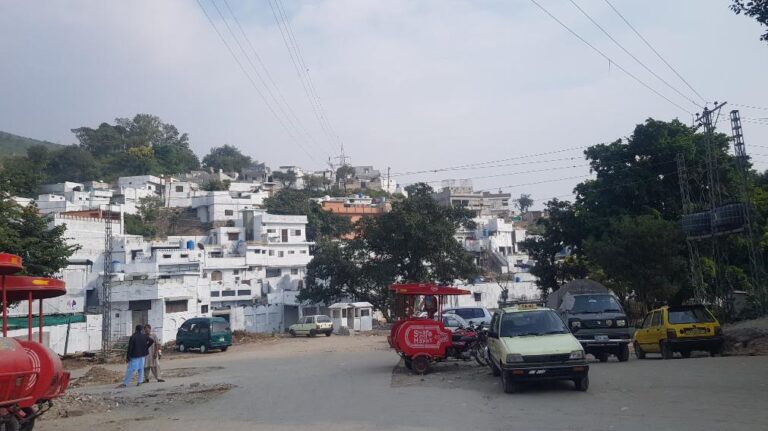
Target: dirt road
(353, 383)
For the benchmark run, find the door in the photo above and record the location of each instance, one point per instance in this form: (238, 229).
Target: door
(284, 235)
(202, 334)
(494, 342)
(654, 333)
(301, 326)
(641, 335)
(139, 317)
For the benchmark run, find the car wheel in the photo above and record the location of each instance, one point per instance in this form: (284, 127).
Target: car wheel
(182, 347)
(328, 334)
(602, 356)
(203, 348)
(686, 354)
(507, 383)
(582, 384)
(639, 351)
(623, 353)
(224, 349)
(408, 363)
(292, 332)
(420, 364)
(666, 351)
(312, 332)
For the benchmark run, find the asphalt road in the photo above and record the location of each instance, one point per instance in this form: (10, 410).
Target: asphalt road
(352, 383)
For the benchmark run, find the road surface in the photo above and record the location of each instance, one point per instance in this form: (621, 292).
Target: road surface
(353, 383)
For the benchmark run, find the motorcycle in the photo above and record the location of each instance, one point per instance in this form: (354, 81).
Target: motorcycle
(469, 343)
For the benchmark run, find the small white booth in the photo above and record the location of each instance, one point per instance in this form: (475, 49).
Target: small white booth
(355, 316)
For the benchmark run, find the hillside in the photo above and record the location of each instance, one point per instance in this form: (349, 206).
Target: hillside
(14, 145)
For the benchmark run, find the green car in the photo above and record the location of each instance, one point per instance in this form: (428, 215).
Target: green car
(312, 325)
(528, 343)
(204, 333)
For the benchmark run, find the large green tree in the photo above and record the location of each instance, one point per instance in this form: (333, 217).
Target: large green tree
(320, 223)
(24, 232)
(228, 158)
(412, 243)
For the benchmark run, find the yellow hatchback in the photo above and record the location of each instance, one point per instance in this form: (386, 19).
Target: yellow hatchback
(683, 329)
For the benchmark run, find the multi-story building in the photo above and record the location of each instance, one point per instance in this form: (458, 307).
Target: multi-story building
(354, 207)
(479, 202)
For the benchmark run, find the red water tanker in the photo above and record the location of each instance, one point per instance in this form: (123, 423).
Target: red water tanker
(420, 340)
(31, 375)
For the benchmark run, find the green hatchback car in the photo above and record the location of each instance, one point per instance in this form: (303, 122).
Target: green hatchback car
(204, 333)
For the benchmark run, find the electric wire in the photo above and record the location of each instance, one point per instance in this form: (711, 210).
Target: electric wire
(641, 82)
(250, 79)
(648, 44)
(508, 174)
(602, 29)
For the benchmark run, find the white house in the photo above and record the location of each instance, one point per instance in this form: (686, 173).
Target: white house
(146, 182)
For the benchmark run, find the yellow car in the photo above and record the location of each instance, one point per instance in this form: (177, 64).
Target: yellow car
(527, 343)
(683, 329)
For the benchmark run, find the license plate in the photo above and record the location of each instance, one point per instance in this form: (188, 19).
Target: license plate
(601, 338)
(696, 331)
(537, 372)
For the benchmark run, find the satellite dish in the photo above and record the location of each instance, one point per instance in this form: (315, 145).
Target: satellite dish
(200, 246)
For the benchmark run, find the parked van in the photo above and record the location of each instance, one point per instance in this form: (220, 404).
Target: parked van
(204, 333)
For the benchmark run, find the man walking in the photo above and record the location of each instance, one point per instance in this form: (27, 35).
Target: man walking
(138, 349)
(153, 359)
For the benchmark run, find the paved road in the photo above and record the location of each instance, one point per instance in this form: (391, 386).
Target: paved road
(347, 383)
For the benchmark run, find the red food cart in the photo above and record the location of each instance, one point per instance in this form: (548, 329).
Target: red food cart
(420, 340)
(31, 375)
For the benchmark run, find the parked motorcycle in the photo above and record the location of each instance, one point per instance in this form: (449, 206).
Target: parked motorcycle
(469, 343)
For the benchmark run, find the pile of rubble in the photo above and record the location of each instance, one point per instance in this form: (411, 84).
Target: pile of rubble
(749, 337)
(97, 375)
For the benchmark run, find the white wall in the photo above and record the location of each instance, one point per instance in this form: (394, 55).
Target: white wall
(83, 336)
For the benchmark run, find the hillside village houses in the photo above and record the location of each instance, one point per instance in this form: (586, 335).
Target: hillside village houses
(245, 265)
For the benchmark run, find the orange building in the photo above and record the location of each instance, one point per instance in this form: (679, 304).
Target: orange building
(354, 211)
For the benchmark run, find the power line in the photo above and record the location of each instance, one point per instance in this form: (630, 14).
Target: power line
(266, 72)
(482, 164)
(610, 59)
(573, 2)
(514, 173)
(248, 76)
(750, 106)
(300, 67)
(648, 44)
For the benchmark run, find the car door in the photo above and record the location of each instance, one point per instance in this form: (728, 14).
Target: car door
(494, 342)
(641, 334)
(303, 326)
(655, 333)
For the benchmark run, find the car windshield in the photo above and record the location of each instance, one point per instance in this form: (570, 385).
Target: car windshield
(689, 315)
(595, 304)
(541, 322)
(323, 319)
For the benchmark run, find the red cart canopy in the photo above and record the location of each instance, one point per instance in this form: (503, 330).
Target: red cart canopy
(9, 263)
(19, 287)
(426, 289)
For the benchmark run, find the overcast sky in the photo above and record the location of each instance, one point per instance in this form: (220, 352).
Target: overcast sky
(405, 84)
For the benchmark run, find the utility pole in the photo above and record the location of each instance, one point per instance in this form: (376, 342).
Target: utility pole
(694, 258)
(388, 180)
(106, 287)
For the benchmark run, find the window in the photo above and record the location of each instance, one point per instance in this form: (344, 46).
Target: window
(323, 319)
(273, 272)
(495, 323)
(184, 255)
(140, 305)
(244, 292)
(270, 231)
(365, 312)
(219, 326)
(176, 306)
(204, 309)
(478, 296)
(656, 319)
(215, 293)
(297, 232)
(647, 321)
(294, 271)
(166, 256)
(284, 235)
(233, 236)
(236, 272)
(280, 253)
(689, 315)
(216, 276)
(228, 293)
(229, 213)
(303, 252)
(271, 252)
(531, 323)
(291, 252)
(179, 189)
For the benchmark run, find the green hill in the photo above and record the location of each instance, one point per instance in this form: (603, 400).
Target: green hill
(14, 145)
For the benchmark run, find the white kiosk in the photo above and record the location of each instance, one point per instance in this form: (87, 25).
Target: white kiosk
(354, 316)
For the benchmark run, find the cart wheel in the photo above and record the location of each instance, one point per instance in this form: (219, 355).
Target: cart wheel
(420, 364)
(30, 424)
(9, 423)
(408, 363)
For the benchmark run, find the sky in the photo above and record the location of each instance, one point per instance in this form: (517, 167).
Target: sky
(402, 84)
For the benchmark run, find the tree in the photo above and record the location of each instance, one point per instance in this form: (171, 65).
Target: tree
(646, 254)
(412, 243)
(216, 185)
(757, 9)
(25, 233)
(343, 174)
(227, 158)
(524, 202)
(287, 179)
(558, 252)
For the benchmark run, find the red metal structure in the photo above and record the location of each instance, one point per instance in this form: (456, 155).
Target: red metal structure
(31, 375)
(420, 340)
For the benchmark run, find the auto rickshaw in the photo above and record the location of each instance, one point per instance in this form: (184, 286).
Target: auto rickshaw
(420, 341)
(31, 375)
